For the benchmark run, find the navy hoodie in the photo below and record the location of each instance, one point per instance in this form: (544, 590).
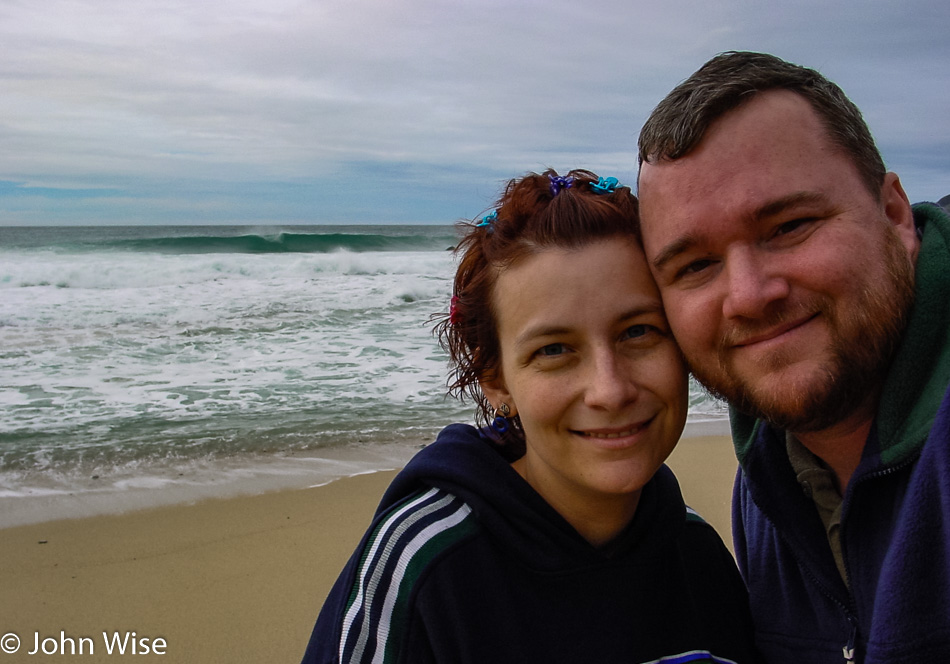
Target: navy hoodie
(465, 562)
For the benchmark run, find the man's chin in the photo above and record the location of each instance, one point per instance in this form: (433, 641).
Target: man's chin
(786, 398)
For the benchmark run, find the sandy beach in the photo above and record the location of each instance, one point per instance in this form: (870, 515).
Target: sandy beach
(223, 580)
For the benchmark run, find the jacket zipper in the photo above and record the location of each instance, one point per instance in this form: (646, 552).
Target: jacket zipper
(848, 609)
(849, 650)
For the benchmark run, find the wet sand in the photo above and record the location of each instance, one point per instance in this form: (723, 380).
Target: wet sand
(225, 580)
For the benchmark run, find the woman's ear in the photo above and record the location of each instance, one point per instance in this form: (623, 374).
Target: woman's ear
(497, 393)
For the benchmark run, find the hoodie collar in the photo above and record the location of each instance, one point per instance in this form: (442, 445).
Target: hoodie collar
(469, 465)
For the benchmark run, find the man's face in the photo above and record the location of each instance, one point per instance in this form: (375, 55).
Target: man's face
(785, 281)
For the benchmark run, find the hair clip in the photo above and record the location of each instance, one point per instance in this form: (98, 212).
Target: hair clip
(455, 316)
(559, 184)
(605, 185)
(488, 221)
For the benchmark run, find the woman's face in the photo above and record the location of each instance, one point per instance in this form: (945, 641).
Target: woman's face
(588, 363)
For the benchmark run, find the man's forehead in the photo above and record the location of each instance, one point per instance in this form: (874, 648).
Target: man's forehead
(772, 114)
(748, 154)
(661, 189)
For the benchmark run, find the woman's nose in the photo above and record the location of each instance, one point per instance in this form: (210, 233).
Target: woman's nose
(611, 384)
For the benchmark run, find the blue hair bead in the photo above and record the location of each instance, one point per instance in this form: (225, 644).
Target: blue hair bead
(488, 221)
(605, 185)
(560, 183)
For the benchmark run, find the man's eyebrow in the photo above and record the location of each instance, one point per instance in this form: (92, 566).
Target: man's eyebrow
(780, 205)
(770, 209)
(671, 251)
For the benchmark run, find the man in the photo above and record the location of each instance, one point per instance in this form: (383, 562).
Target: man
(805, 290)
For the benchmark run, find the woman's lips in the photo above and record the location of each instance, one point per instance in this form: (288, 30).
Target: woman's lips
(613, 433)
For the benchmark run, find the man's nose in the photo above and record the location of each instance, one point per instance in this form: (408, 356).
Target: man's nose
(753, 282)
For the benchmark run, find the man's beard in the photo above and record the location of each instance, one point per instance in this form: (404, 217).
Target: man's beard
(864, 339)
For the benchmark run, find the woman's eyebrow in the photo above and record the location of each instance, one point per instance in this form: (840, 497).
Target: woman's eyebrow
(542, 330)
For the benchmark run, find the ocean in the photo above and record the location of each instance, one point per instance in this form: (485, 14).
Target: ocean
(146, 365)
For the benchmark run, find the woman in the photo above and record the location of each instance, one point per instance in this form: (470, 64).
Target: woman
(555, 533)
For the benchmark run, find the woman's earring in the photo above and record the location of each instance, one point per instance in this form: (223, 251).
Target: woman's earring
(500, 423)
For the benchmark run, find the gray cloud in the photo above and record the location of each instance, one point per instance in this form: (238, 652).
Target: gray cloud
(376, 111)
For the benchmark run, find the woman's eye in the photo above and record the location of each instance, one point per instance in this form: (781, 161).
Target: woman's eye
(636, 331)
(551, 350)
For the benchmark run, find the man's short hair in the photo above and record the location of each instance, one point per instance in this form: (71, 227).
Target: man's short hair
(679, 122)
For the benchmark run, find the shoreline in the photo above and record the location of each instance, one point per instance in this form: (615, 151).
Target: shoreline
(231, 578)
(225, 478)
(220, 479)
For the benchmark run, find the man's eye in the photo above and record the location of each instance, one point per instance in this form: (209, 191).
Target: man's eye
(792, 226)
(695, 267)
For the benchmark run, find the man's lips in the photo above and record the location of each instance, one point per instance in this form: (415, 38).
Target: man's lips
(772, 333)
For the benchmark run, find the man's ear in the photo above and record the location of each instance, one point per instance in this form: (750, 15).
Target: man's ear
(494, 389)
(897, 209)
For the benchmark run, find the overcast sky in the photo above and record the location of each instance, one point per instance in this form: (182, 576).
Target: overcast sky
(403, 111)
